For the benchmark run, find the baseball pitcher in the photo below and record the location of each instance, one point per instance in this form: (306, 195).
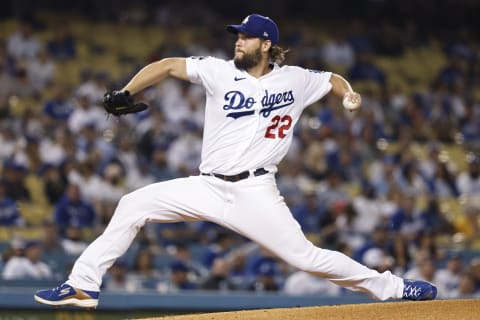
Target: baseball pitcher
(252, 106)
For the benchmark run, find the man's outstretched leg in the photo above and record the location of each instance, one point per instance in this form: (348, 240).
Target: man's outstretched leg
(162, 202)
(267, 220)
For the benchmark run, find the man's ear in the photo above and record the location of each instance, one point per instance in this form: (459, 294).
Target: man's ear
(266, 45)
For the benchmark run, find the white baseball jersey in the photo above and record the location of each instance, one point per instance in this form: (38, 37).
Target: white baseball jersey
(249, 121)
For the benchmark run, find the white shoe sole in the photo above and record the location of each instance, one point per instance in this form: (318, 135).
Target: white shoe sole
(84, 303)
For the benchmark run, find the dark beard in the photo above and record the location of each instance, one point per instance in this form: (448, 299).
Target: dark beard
(249, 60)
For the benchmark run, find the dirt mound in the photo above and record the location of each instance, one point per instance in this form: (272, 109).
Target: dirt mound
(425, 310)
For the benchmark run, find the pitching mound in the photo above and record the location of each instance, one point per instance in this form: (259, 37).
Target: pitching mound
(425, 310)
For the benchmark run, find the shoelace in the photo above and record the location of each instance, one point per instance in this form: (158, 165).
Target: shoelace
(60, 287)
(412, 291)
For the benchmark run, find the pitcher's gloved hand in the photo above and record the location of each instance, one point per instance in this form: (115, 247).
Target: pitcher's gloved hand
(121, 102)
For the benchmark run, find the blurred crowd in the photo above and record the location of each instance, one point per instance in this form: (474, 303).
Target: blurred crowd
(370, 184)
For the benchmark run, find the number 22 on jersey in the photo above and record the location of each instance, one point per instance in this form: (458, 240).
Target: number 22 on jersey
(279, 127)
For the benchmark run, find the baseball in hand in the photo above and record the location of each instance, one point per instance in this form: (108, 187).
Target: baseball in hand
(352, 101)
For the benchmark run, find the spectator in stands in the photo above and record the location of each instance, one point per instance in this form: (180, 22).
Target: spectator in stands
(113, 186)
(470, 128)
(21, 86)
(467, 287)
(378, 259)
(448, 278)
(381, 174)
(314, 160)
(139, 175)
(179, 278)
(413, 270)
(453, 72)
(7, 62)
(410, 180)
(91, 146)
(15, 248)
(328, 236)
(6, 80)
(94, 188)
(177, 233)
(58, 108)
(144, 271)
(184, 153)
(237, 263)
(405, 219)
(433, 219)
(186, 98)
(50, 238)
(117, 278)
(54, 183)
(371, 211)
(95, 87)
(73, 241)
(263, 258)
(365, 69)
(378, 251)
(425, 241)
(183, 252)
(309, 213)
(41, 70)
(474, 270)
(53, 252)
(71, 209)
(9, 214)
(443, 182)
(425, 270)
(344, 230)
(338, 52)
(265, 278)
(8, 143)
(290, 176)
(28, 266)
(14, 175)
(22, 44)
(332, 189)
(219, 276)
(221, 246)
(29, 156)
(468, 182)
(155, 133)
(159, 168)
(137, 169)
(62, 46)
(85, 113)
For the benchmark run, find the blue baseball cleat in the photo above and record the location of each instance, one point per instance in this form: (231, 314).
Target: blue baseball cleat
(418, 290)
(67, 295)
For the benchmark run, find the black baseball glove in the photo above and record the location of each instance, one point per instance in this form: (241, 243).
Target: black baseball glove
(121, 102)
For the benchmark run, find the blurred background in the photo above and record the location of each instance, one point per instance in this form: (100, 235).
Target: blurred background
(395, 185)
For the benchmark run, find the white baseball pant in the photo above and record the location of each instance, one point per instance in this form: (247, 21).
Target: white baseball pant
(252, 207)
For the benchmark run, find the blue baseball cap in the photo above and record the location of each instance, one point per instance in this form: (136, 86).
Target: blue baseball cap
(257, 25)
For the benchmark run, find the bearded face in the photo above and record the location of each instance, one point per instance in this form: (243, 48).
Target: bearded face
(247, 60)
